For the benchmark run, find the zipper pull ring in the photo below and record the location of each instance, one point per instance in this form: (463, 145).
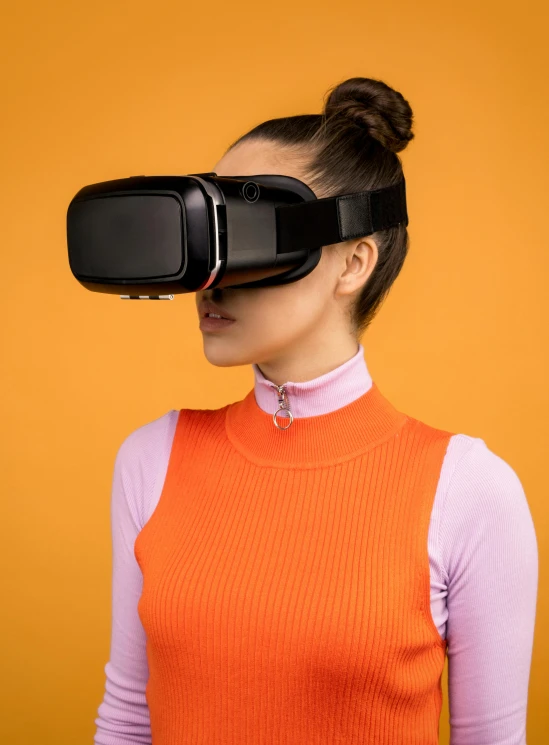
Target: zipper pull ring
(283, 405)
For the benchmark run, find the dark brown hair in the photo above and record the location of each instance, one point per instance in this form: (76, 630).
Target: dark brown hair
(350, 147)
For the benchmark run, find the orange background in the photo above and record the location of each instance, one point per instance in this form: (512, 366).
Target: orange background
(104, 90)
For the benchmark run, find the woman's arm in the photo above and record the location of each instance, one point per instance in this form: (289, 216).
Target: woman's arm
(489, 551)
(139, 471)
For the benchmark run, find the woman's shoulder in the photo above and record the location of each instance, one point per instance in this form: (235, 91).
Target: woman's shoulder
(149, 436)
(143, 456)
(149, 444)
(158, 431)
(484, 507)
(476, 469)
(470, 464)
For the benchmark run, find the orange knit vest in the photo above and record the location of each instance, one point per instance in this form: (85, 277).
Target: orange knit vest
(286, 583)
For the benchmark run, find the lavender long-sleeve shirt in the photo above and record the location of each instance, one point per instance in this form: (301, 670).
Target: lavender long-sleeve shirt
(483, 560)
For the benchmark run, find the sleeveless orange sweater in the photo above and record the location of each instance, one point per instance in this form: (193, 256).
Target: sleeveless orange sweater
(286, 585)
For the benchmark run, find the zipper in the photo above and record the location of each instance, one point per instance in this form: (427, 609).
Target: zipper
(283, 405)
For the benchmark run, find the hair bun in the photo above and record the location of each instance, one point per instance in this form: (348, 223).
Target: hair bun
(374, 106)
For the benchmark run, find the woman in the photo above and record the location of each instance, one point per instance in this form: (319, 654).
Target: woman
(299, 578)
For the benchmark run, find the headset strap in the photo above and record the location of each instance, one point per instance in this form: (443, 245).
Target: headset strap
(320, 222)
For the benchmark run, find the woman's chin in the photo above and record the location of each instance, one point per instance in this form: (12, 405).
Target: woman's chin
(223, 353)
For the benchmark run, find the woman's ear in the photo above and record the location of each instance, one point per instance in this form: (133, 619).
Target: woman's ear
(360, 257)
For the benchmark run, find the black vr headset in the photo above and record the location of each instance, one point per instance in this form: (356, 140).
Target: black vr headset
(150, 237)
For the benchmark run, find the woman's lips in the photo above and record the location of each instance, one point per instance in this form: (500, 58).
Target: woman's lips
(207, 323)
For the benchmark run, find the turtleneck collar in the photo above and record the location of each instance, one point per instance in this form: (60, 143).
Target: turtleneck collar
(335, 417)
(330, 391)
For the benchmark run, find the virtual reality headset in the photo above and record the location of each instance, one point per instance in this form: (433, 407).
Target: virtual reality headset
(152, 237)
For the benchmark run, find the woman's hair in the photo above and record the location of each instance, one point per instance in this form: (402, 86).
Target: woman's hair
(351, 147)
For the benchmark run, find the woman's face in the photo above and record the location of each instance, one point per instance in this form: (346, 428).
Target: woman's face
(282, 323)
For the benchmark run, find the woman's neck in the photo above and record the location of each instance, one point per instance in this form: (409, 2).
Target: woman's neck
(320, 395)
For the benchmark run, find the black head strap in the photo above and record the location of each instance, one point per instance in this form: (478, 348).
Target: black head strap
(320, 222)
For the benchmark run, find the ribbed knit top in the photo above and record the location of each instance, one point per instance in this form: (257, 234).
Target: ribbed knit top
(274, 554)
(288, 605)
